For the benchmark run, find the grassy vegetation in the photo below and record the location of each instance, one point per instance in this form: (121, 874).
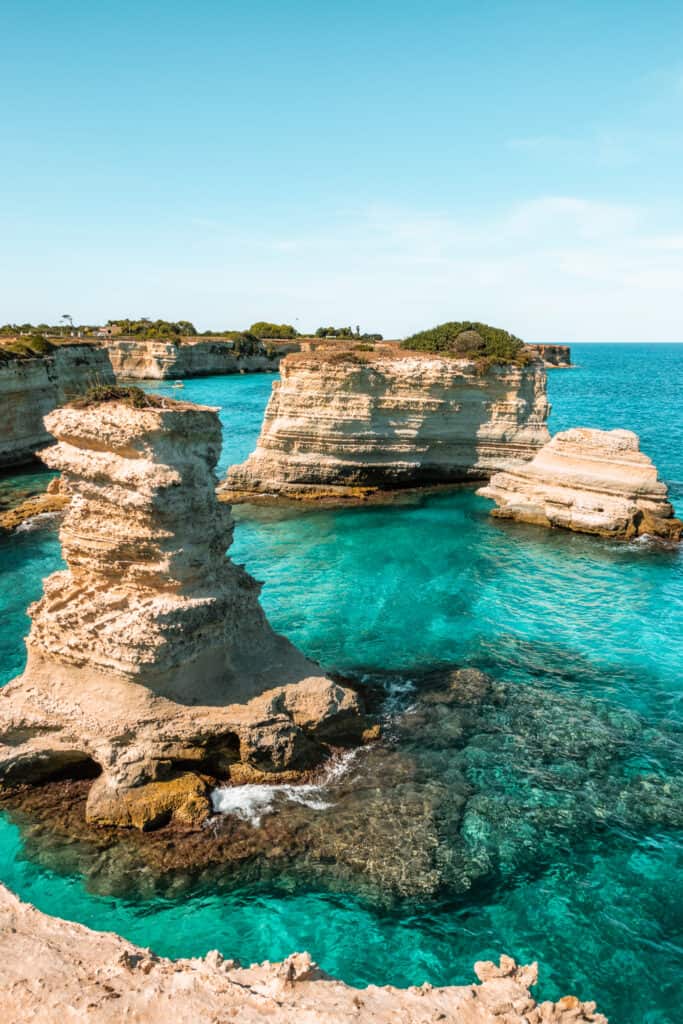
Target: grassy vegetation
(28, 347)
(145, 328)
(470, 340)
(277, 332)
(132, 396)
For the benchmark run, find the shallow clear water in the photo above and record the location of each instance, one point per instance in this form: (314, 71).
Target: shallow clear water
(574, 813)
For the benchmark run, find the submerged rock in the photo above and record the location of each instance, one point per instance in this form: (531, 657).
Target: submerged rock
(54, 969)
(49, 503)
(474, 785)
(345, 424)
(590, 481)
(150, 657)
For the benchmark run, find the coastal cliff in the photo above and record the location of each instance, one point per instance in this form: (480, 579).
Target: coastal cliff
(589, 481)
(55, 969)
(150, 661)
(345, 422)
(553, 356)
(159, 359)
(32, 387)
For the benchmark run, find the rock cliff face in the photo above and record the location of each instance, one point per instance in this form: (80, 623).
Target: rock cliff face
(150, 657)
(553, 356)
(30, 388)
(142, 359)
(341, 422)
(53, 969)
(591, 481)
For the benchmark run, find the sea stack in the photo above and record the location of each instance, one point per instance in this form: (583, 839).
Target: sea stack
(345, 422)
(590, 481)
(150, 661)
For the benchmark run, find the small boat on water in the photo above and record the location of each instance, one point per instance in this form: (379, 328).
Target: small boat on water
(178, 384)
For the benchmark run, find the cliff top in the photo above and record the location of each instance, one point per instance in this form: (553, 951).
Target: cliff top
(131, 397)
(363, 353)
(35, 346)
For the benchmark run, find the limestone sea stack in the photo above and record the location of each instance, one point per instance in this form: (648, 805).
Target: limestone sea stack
(590, 481)
(344, 423)
(150, 659)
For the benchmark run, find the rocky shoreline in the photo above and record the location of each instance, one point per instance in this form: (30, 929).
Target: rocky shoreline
(54, 969)
(31, 387)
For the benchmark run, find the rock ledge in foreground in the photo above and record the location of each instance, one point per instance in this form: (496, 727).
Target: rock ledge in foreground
(58, 970)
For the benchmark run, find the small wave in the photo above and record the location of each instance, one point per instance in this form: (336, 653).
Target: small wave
(37, 522)
(252, 802)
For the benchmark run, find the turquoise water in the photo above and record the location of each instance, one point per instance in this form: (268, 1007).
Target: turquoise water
(569, 846)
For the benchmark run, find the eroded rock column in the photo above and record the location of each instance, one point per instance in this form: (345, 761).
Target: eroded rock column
(150, 657)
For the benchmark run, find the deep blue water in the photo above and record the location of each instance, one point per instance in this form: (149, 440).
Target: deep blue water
(579, 805)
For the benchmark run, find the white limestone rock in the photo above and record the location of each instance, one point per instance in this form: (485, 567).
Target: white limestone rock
(344, 422)
(590, 481)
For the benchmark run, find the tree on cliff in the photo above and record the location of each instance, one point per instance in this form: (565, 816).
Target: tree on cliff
(146, 328)
(263, 329)
(468, 339)
(345, 332)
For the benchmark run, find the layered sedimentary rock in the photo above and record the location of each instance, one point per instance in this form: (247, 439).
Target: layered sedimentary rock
(342, 423)
(50, 502)
(553, 356)
(150, 658)
(54, 969)
(590, 481)
(156, 359)
(30, 388)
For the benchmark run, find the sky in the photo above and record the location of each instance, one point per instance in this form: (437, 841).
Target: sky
(387, 164)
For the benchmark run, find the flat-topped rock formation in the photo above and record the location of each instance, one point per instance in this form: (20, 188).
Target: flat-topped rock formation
(553, 356)
(346, 422)
(32, 387)
(159, 359)
(54, 969)
(590, 481)
(150, 659)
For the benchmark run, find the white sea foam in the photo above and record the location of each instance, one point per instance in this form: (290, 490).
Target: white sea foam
(37, 522)
(252, 802)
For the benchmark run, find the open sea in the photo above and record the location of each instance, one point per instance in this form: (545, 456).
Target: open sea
(559, 809)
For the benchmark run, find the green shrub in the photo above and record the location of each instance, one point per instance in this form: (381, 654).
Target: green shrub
(133, 396)
(278, 332)
(171, 330)
(244, 343)
(29, 347)
(471, 340)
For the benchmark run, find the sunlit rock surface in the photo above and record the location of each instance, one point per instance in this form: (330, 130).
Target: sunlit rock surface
(54, 970)
(553, 356)
(346, 422)
(150, 658)
(159, 359)
(590, 481)
(30, 388)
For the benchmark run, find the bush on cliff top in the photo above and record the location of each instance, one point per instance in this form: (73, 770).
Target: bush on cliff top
(132, 396)
(27, 347)
(468, 339)
(277, 332)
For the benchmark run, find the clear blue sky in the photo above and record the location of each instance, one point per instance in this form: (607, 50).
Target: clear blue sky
(392, 164)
